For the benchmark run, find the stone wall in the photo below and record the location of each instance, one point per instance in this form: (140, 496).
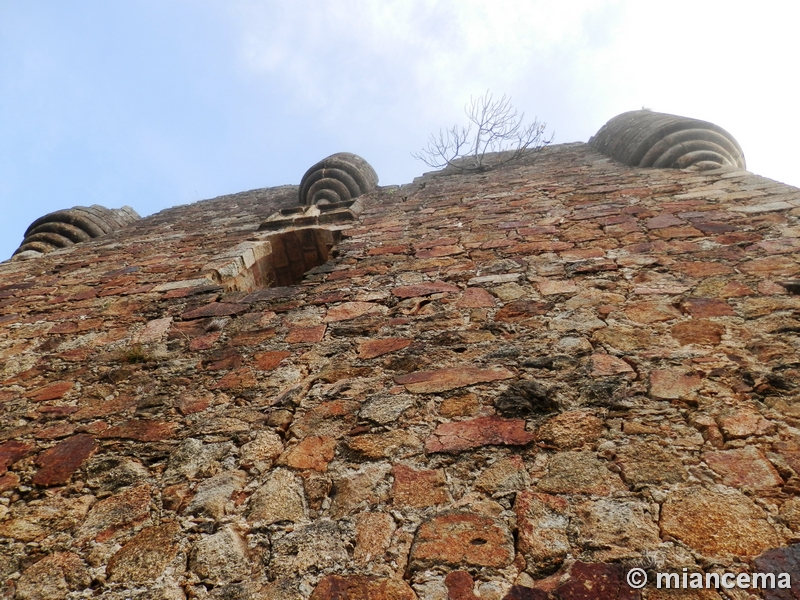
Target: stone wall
(512, 384)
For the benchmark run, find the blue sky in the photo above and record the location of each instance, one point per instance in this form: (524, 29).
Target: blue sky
(159, 103)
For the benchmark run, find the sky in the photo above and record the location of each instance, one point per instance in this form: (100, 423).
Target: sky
(155, 103)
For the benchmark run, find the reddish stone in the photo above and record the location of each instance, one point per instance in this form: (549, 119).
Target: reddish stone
(703, 269)
(362, 587)
(458, 436)
(744, 423)
(9, 481)
(459, 586)
(475, 297)
(672, 385)
(252, 338)
(550, 287)
(669, 233)
(518, 592)
(62, 460)
(153, 331)
(662, 221)
(743, 467)
(146, 555)
(300, 335)
(215, 309)
(717, 523)
(605, 365)
(51, 392)
(380, 250)
(597, 581)
(780, 561)
(438, 251)
(701, 308)
(698, 331)
(521, 309)
(236, 380)
(11, 452)
(651, 312)
(373, 348)
(425, 289)
(142, 431)
(542, 520)
(223, 360)
(426, 382)
(313, 452)
(462, 539)
(55, 432)
(267, 361)
(103, 409)
(771, 266)
(120, 512)
(189, 405)
(348, 310)
(419, 489)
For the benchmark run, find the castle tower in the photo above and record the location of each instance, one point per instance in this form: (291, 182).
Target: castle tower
(508, 384)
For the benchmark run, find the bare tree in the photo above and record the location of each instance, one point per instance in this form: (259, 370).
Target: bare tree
(494, 126)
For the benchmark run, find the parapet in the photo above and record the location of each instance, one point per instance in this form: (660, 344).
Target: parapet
(642, 138)
(64, 228)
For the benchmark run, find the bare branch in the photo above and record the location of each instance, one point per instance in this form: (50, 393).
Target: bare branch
(494, 126)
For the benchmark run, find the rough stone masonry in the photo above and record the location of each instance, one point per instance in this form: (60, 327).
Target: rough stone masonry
(511, 384)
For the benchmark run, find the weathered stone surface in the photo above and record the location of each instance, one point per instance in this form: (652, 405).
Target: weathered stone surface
(213, 495)
(117, 513)
(424, 289)
(542, 520)
(579, 473)
(743, 423)
(53, 391)
(362, 587)
(11, 452)
(53, 577)
(475, 297)
(267, 361)
(462, 539)
(350, 310)
(374, 348)
(386, 408)
(647, 463)
(221, 557)
(698, 331)
(703, 308)
(778, 561)
(262, 451)
(520, 310)
(146, 555)
(318, 546)
(313, 452)
(306, 335)
(571, 429)
(596, 581)
(214, 309)
(398, 443)
(360, 490)
(668, 384)
(141, 430)
(605, 365)
(716, 523)
(193, 459)
(153, 331)
(39, 519)
(279, 499)
(743, 467)
(611, 529)
(426, 382)
(374, 532)
(62, 460)
(504, 476)
(417, 488)
(458, 436)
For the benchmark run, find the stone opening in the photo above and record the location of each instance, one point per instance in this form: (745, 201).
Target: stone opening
(279, 259)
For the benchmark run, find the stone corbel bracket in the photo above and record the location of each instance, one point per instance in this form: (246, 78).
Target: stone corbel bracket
(329, 194)
(643, 138)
